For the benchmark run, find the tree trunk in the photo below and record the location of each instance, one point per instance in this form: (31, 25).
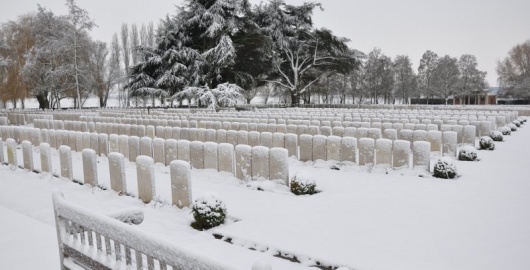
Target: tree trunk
(44, 103)
(295, 99)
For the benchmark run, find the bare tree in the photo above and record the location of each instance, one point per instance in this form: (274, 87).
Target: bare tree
(405, 79)
(428, 63)
(514, 72)
(445, 77)
(126, 53)
(81, 22)
(115, 60)
(471, 79)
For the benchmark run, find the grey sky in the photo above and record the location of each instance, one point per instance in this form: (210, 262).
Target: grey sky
(485, 28)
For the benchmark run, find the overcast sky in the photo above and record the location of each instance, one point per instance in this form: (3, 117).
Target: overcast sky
(484, 28)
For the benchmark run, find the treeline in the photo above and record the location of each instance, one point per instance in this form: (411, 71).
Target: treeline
(217, 52)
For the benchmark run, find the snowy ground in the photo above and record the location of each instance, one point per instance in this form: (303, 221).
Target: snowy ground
(360, 219)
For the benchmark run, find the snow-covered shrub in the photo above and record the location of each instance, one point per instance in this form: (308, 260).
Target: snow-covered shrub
(486, 143)
(516, 123)
(467, 153)
(505, 130)
(302, 184)
(445, 168)
(496, 136)
(208, 211)
(512, 127)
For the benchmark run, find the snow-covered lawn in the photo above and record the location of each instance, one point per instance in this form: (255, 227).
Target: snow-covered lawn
(360, 219)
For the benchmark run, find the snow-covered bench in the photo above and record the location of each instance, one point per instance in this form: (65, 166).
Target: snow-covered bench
(89, 240)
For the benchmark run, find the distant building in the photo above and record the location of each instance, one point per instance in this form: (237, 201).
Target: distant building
(480, 97)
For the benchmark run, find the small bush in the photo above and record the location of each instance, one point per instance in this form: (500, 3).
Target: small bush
(303, 184)
(516, 123)
(208, 211)
(512, 127)
(496, 136)
(467, 153)
(486, 143)
(445, 168)
(505, 130)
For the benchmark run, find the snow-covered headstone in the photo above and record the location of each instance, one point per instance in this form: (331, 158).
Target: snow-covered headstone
(185, 134)
(374, 133)
(243, 157)
(500, 121)
(183, 150)
(65, 157)
(27, 155)
(419, 135)
(383, 151)
(45, 157)
(278, 140)
(145, 171)
(319, 147)
(90, 169)
(291, 144)
(266, 139)
(169, 152)
(180, 183)
(406, 135)
(103, 144)
(366, 151)
(210, 135)
(175, 133)
(253, 138)
(421, 154)
(338, 131)
(306, 147)
(197, 154)
(350, 132)
(260, 162)
(279, 165)
(400, 153)
(326, 131)
(449, 143)
(468, 136)
(2, 161)
(333, 145)
(51, 136)
(390, 134)
(485, 128)
(150, 131)
(362, 132)
(225, 157)
(146, 146)
(158, 150)
(12, 152)
(220, 136)
(281, 128)
(118, 181)
(434, 137)
(201, 135)
(114, 143)
(193, 133)
(210, 155)
(123, 144)
(348, 149)
(134, 147)
(231, 137)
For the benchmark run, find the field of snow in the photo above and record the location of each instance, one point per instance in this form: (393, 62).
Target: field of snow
(362, 218)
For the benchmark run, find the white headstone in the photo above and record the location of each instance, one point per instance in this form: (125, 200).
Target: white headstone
(90, 169)
(180, 183)
(145, 172)
(260, 162)
(243, 157)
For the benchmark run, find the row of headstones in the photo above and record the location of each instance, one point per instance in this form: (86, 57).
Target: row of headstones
(201, 155)
(481, 128)
(369, 151)
(228, 124)
(465, 134)
(145, 167)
